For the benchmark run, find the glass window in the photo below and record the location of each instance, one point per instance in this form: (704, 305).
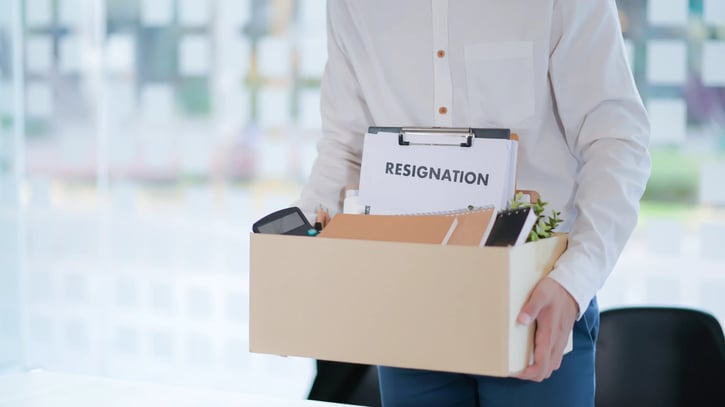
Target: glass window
(138, 146)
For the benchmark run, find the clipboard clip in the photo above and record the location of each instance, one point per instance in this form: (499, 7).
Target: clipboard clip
(433, 136)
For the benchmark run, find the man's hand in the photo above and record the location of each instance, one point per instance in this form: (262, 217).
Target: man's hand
(555, 311)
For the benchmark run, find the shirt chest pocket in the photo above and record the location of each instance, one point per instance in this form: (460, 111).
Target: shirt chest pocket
(500, 84)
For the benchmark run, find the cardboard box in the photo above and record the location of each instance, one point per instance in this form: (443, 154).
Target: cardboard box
(424, 306)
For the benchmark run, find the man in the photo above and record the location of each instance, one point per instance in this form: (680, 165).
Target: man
(555, 72)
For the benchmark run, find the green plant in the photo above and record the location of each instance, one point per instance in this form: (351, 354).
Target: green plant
(545, 225)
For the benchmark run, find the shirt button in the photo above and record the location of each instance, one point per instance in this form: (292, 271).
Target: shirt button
(441, 53)
(443, 110)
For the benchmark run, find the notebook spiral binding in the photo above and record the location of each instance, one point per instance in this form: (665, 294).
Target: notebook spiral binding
(453, 212)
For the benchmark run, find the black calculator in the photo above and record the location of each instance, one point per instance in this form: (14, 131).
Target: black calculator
(289, 221)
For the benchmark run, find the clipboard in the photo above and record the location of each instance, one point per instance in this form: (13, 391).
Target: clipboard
(421, 169)
(467, 132)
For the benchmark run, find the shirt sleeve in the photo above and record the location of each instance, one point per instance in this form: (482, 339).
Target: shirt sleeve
(345, 119)
(607, 130)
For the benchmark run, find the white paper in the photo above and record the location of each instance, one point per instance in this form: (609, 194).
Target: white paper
(474, 175)
(713, 64)
(669, 121)
(714, 12)
(668, 12)
(667, 62)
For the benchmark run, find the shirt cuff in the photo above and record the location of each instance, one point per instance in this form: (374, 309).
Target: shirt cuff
(577, 285)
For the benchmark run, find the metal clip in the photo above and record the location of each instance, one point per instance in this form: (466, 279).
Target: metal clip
(430, 136)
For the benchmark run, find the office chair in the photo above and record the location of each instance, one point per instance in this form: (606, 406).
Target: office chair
(348, 383)
(663, 357)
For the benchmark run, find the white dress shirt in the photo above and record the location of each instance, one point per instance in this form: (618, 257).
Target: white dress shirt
(554, 71)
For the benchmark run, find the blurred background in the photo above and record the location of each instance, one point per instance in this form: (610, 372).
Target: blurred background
(139, 139)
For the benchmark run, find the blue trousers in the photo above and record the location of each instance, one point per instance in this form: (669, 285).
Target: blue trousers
(572, 385)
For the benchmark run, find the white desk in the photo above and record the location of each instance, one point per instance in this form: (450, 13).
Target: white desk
(45, 389)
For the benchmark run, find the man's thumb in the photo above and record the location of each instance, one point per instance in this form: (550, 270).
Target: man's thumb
(530, 310)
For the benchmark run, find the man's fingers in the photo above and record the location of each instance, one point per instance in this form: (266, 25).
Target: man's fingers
(557, 351)
(554, 310)
(541, 369)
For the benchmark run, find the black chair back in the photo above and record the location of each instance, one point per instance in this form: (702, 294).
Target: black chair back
(348, 383)
(661, 357)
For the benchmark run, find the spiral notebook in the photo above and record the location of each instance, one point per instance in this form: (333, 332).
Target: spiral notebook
(512, 227)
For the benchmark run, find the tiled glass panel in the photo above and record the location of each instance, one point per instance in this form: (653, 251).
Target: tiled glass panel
(713, 63)
(668, 12)
(668, 119)
(275, 57)
(666, 62)
(38, 12)
(193, 13)
(714, 11)
(157, 12)
(194, 55)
